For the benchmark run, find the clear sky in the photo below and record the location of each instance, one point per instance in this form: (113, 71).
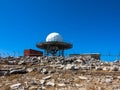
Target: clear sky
(93, 26)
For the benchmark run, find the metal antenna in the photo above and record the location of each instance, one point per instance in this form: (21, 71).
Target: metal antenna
(118, 55)
(109, 55)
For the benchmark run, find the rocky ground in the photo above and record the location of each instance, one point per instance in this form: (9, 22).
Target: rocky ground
(58, 73)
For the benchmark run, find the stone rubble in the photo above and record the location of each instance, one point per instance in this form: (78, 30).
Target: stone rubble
(59, 73)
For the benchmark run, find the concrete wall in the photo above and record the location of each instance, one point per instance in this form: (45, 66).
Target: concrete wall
(96, 56)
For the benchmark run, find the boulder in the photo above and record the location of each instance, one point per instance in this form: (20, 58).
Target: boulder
(75, 68)
(21, 62)
(108, 80)
(33, 82)
(18, 71)
(44, 71)
(51, 83)
(43, 88)
(78, 61)
(61, 84)
(29, 69)
(78, 85)
(47, 78)
(116, 87)
(42, 82)
(99, 88)
(15, 86)
(83, 77)
(98, 68)
(69, 66)
(52, 71)
(61, 66)
(4, 72)
(114, 68)
(84, 67)
(106, 68)
(118, 77)
(39, 58)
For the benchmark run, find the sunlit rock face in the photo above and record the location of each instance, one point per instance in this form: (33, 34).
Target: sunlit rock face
(52, 37)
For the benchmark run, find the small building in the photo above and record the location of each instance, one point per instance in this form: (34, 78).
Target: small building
(31, 52)
(92, 55)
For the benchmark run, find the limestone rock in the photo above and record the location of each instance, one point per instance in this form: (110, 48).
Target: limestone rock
(47, 78)
(118, 77)
(51, 83)
(61, 84)
(98, 68)
(18, 71)
(15, 86)
(78, 85)
(108, 80)
(68, 66)
(44, 71)
(33, 82)
(42, 82)
(106, 68)
(83, 78)
(114, 68)
(29, 69)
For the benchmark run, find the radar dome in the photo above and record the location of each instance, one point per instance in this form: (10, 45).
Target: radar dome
(54, 37)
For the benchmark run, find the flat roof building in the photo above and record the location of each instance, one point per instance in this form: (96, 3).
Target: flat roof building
(92, 55)
(31, 52)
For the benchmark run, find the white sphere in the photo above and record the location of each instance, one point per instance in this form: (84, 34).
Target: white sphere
(54, 37)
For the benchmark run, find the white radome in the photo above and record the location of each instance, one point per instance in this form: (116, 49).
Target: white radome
(54, 37)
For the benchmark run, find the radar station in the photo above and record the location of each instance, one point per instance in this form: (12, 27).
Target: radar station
(54, 45)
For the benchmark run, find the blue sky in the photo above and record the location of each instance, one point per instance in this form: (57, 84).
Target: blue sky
(91, 25)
